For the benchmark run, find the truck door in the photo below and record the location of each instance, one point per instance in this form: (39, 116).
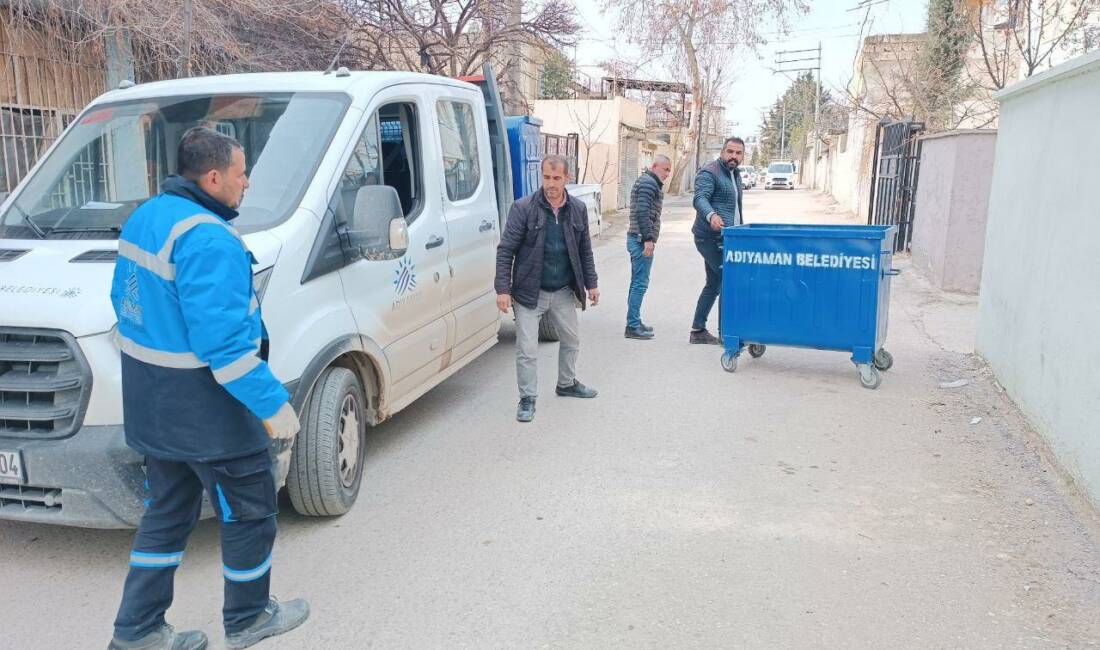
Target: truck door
(401, 301)
(464, 171)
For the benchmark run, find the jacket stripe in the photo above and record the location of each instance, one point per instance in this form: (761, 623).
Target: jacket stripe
(178, 360)
(146, 260)
(238, 368)
(249, 574)
(184, 226)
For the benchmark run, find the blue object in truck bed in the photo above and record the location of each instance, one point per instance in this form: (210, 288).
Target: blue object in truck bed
(525, 147)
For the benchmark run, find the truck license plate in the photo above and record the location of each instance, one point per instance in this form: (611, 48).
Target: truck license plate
(11, 467)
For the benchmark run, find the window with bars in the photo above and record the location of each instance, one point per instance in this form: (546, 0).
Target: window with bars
(25, 134)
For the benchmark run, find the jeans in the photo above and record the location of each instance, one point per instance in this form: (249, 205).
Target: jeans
(711, 250)
(561, 308)
(640, 266)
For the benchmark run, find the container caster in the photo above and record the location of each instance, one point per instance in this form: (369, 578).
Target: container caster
(883, 360)
(869, 376)
(729, 362)
(756, 350)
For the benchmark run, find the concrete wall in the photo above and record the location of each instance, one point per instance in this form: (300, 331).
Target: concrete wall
(597, 121)
(1039, 313)
(956, 171)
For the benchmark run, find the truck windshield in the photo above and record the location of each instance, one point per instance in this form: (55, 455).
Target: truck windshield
(117, 156)
(780, 168)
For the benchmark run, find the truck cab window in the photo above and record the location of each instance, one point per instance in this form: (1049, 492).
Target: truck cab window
(458, 137)
(401, 160)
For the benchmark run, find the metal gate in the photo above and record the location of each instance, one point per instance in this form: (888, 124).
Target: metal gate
(628, 169)
(562, 145)
(894, 177)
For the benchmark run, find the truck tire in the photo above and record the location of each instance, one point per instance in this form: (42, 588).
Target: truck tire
(547, 331)
(326, 467)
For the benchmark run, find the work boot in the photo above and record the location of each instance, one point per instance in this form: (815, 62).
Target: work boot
(647, 327)
(164, 638)
(638, 333)
(277, 618)
(526, 410)
(576, 390)
(703, 337)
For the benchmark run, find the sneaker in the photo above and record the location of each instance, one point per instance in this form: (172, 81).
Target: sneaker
(576, 390)
(277, 618)
(526, 410)
(703, 337)
(164, 638)
(638, 333)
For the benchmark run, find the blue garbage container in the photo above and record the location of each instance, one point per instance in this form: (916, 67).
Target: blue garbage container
(822, 287)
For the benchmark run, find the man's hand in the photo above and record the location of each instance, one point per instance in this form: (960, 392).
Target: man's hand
(504, 302)
(715, 221)
(647, 249)
(284, 424)
(594, 296)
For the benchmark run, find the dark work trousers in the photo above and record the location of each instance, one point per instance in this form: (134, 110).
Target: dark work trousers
(711, 250)
(242, 492)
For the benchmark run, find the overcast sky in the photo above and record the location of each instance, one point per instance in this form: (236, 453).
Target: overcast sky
(755, 87)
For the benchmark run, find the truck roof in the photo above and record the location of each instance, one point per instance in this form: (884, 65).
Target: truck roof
(355, 84)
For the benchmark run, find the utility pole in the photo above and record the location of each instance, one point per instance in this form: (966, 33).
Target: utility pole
(808, 60)
(783, 131)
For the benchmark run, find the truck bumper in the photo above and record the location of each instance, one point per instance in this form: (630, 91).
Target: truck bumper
(91, 479)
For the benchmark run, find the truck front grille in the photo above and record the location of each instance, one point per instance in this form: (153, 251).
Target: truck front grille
(45, 383)
(26, 497)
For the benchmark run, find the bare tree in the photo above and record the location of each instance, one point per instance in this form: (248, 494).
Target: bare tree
(591, 131)
(197, 36)
(1018, 38)
(697, 31)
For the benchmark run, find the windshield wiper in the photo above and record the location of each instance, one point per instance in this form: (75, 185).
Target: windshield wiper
(54, 231)
(38, 230)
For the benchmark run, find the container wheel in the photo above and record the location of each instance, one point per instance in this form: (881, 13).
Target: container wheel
(869, 376)
(729, 362)
(756, 350)
(884, 360)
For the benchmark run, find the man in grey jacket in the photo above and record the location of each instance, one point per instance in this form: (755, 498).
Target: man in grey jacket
(544, 266)
(646, 198)
(717, 205)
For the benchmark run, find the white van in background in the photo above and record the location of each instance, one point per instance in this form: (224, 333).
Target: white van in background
(374, 211)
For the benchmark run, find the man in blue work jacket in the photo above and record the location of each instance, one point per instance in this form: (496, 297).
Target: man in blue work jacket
(198, 400)
(717, 205)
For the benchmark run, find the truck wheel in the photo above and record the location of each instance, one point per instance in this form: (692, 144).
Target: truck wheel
(547, 331)
(326, 467)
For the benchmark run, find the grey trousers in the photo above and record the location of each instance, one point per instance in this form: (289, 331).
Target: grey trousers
(561, 308)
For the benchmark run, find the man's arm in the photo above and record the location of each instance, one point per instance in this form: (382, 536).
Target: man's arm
(642, 208)
(510, 241)
(584, 247)
(213, 279)
(704, 192)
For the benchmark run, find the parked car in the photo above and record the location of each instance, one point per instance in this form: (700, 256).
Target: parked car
(780, 176)
(748, 177)
(374, 212)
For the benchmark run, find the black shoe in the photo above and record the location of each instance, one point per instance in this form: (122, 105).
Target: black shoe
(277, 618)
(647, 328)
(703, 337)
(526, 410)
(164, 638)
(639, 333)
(576, 390)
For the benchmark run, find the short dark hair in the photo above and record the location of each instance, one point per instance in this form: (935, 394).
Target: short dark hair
(202, 149)
(555, 160)
(733, 138)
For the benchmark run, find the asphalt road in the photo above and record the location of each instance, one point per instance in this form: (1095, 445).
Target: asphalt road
(783, 506)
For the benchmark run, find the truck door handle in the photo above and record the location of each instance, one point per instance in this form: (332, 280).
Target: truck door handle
(435, 242)
(485, 226)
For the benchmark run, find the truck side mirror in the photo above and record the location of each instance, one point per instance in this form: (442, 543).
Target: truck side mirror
(377, 227)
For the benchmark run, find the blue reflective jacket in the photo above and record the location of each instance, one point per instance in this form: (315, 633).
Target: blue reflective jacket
(194, 386)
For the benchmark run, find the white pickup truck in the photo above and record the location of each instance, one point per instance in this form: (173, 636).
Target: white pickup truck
(374, 212)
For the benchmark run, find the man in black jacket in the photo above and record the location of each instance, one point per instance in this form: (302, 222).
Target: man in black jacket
(646, 198)
(544, 266)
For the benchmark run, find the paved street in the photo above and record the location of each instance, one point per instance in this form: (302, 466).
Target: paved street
(783, 506)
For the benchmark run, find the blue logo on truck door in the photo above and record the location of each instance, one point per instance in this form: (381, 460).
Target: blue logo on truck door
(405, 277)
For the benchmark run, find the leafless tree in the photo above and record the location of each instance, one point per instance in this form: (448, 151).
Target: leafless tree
(591, 131)
(197, 36)
(696, 31)
(1017, 38)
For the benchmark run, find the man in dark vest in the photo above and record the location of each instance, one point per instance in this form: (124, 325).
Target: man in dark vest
(544, 267)
(199, 400)
(717, 205)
